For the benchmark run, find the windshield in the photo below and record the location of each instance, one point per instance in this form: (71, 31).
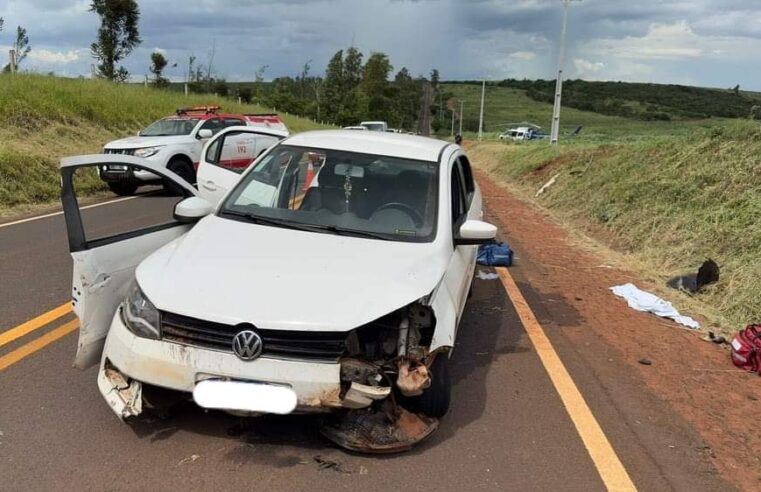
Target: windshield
(338, 192)
(376, 127)
(170, 127)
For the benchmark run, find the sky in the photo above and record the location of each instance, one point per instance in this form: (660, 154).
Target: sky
(713, 43)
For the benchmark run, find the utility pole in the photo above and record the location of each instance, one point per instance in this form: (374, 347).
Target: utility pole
(559, 82)
(481, 119)
(453, 123)
(462, 105)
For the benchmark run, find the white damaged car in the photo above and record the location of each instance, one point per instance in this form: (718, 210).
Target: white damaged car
(331, 277)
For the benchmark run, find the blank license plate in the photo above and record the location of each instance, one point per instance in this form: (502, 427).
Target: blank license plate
(244, 396)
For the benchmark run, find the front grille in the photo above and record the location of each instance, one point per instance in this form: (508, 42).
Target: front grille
(321, 346)
(119, 151)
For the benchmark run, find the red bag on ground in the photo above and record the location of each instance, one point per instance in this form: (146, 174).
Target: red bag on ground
(746, 348)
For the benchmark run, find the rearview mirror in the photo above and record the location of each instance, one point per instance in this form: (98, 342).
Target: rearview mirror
(349, 170)
(475, 232)
(204, 133)
(192, 210)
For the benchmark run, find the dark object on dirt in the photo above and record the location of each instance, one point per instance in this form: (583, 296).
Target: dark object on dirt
(324, 464)
(708, 273)
(645, 362)
(458, 139)
(388, 429)
(711, 337)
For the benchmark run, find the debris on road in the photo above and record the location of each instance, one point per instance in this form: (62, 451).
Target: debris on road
(708, 273)
(640, 300)
(495, 254)
(711, 337)
(387, 429)
(547, 185)
(645, 362)
(189, 459)
(325, 464)
(482, 275)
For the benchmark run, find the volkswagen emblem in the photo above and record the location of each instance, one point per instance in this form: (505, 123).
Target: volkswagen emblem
(247, 345)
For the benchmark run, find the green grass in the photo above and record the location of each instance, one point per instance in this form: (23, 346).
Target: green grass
(506, 107)
(45, 118)
(667, 201)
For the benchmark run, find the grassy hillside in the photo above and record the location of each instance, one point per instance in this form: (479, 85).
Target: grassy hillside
(505, 107)
(649, 102)
(45, 118)
(669, 201)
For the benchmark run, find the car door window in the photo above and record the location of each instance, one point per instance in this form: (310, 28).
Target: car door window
(234, 151)
(234, 122)
(466, 175)
(459, 207)
(213, 124)
(150, 211)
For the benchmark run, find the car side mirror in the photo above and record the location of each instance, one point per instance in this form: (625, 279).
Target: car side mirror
(474, 232)
(205, 133)
(192, 210)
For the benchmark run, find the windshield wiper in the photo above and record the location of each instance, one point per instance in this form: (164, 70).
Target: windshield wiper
(340, 231)
(258, 219)
(288, 224)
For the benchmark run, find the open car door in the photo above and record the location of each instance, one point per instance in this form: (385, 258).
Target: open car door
(104, 259)
(228, 154)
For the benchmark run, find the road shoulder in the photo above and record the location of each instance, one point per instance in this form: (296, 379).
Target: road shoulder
(689, 410)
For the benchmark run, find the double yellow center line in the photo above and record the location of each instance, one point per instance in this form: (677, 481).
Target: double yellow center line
(38, 343)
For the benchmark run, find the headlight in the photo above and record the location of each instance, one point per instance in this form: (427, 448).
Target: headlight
(146, 152)
(140, 316)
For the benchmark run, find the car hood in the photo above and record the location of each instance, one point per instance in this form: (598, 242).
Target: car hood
(141, 142)
(233, 272)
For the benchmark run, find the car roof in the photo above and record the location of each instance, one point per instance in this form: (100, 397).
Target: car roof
(204, 116)
(378, 143)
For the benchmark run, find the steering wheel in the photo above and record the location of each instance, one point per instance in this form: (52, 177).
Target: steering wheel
(414, 214)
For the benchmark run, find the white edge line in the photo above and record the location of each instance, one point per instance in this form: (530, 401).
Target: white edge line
(60, 212)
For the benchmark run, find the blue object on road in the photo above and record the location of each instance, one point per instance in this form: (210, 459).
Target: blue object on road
(495, 254)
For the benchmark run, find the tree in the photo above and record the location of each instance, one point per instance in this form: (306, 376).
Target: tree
(158, 64)
(435, 77)
(20, 47)
(1, 24)
(118, 35)
(333, 86)
(375, 85)
(352, 69)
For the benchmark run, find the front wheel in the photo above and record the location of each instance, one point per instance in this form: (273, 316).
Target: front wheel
(123, 188)
(434, 402)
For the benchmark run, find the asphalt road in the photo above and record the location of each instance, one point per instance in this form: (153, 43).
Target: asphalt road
(508, 429)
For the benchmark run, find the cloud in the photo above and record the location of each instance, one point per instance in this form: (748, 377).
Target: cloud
(584, 68)
(54, 57)
(522, 55)
(709, 42)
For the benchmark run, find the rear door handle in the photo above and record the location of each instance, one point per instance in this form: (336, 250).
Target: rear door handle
(209, 185)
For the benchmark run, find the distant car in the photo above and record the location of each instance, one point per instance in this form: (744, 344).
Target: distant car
(518, 134)
(375, 126)
(332, 274)
(266, 120)
(357, 127)
(174, 143)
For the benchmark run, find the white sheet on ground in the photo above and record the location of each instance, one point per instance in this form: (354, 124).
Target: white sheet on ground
(482, 275)
(650, 303)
